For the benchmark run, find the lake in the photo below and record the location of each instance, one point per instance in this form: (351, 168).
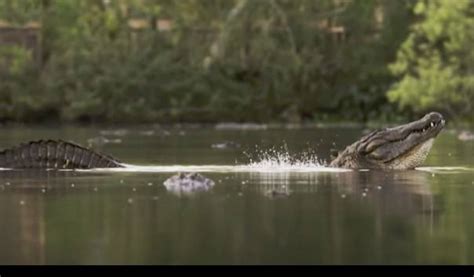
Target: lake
(271, 203)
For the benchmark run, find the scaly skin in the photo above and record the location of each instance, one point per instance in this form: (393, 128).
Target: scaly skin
(54, 154)
(398, 148)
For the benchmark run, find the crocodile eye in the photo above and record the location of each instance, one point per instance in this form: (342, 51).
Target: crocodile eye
(376, 155)
(373, 145)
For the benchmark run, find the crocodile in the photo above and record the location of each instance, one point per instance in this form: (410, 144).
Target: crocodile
(402, 147)
(397, 148)
(55, 154)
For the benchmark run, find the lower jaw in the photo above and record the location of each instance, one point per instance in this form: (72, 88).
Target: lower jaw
(413, 157)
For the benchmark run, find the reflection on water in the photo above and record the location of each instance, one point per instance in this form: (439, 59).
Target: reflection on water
(290, 215)
(407, 193)
(128, 221)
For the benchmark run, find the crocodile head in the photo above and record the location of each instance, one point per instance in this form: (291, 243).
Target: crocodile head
(402, 147)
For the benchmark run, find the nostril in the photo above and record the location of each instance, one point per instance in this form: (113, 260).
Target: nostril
(435, 116)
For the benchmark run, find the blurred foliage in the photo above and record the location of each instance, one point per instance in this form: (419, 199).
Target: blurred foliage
(240, 60)
(436, 62)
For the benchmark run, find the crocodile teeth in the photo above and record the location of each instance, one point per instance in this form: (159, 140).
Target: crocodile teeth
(432, 124)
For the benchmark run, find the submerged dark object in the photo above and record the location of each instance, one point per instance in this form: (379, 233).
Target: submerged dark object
(402, 147)
(226, 145)
(188, 183)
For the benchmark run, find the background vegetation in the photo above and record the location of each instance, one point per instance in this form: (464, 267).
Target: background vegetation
(237, 60)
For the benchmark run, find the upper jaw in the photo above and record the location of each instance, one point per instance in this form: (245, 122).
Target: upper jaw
(416, 134)
(389, 144)
(428, 127)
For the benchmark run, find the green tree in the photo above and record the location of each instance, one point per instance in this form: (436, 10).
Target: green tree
(239, 60)
(436, 62)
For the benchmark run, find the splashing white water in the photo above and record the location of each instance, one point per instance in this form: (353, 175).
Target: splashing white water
(282, 159)
(220, 169)
(265, 161)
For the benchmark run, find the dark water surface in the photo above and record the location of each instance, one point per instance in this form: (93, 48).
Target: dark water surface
(262, 214)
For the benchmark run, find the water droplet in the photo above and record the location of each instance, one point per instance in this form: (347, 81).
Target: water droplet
(134, 189)
(22, 202)
(43, 190)
(155, 198)
(7, 183)
(364, 194)
(96, 189)
(379, 187)
(343, 196)
(72, 185)
(366, 189)
(150, 184)
(121, 181)
(130, 200)
(240, 194)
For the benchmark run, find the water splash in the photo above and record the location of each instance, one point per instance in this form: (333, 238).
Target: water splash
(281, 158)
(272, 160)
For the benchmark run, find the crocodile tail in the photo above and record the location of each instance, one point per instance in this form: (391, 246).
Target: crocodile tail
(54, 154)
